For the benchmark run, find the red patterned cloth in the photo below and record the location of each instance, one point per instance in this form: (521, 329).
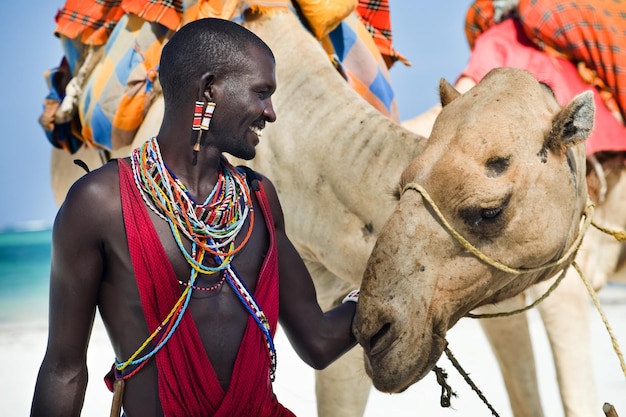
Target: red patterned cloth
(478, 19)
(506, 45)
(590, 33)
(187, 382)
(91, 22)
(375, 16)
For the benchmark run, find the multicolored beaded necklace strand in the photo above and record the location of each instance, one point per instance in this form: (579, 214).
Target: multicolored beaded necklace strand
(212, 228)
(213, 225)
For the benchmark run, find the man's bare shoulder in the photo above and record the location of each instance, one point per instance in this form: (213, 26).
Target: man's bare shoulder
(89, 220)
(92, 183)
(95, 196)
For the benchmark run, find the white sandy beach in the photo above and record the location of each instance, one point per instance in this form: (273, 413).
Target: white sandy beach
(22, 347)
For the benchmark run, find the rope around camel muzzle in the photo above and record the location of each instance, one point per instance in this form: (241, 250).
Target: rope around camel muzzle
(564, 260)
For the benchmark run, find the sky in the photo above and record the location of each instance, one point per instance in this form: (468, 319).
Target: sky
(430, 34)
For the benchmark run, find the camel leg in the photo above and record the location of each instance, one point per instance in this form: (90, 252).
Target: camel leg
(604, 257)
(342, 389)
(606, 260)
(566, 315)
(510, 341)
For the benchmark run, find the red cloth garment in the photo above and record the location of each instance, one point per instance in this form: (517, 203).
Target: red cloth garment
(506, 45)
(187, 383)
(88, 22)
(478, 18)
(589, 31)
(91, 22)
(375, 16)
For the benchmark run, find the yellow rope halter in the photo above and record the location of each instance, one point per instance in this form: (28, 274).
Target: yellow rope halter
(586, 221)
(490, 261)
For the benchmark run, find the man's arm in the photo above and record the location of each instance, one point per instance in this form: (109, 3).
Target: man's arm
(319, 338)
(76, 272)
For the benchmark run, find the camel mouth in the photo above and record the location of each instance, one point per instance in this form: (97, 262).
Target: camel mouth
(383, 342)
(392, 373)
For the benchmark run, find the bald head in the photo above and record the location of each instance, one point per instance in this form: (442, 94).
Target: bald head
(205, 45)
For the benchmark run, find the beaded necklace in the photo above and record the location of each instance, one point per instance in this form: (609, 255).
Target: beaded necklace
(211, 227)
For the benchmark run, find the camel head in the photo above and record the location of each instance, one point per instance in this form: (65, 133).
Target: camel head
(505, 168)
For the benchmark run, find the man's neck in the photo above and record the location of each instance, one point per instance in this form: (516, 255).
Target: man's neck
(198, 171)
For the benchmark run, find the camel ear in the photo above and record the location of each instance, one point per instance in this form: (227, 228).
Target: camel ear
(573, 124)
(447, 92)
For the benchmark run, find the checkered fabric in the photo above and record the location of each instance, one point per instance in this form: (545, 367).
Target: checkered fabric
(356, 56)
(374, 14)
(91, 22)
(590, 33)
(121, 87)
(478, 18)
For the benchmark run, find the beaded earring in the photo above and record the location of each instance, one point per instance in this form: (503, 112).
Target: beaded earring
(201, 122)
(197, 115)
(208, 115)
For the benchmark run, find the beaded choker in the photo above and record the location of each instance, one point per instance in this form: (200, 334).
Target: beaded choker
(212, 228)
(213, 225)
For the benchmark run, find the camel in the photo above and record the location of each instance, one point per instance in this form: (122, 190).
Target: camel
(565, 314)
(332, 218)
(496, 203)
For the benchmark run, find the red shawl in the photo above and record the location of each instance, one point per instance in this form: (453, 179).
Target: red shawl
(187, 382)
(91, 22)
(506, 45)
(589, 32)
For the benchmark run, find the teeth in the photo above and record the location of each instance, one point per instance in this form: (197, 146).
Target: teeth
(257, 131)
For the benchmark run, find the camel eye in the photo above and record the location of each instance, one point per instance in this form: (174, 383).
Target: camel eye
(480, 217)
(486, 220)
(497, 166)
(490, 213)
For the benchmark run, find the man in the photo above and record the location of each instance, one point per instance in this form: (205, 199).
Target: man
(186, 257)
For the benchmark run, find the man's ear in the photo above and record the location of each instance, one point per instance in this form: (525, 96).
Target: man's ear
(205, 86)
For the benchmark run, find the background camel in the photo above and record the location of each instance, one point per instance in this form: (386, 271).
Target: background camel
(332, 169)
(503, 168)
(336, 196)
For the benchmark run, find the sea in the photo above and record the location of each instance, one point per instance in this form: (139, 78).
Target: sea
(24, 274)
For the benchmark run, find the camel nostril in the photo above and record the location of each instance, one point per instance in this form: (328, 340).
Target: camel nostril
(378, 337)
